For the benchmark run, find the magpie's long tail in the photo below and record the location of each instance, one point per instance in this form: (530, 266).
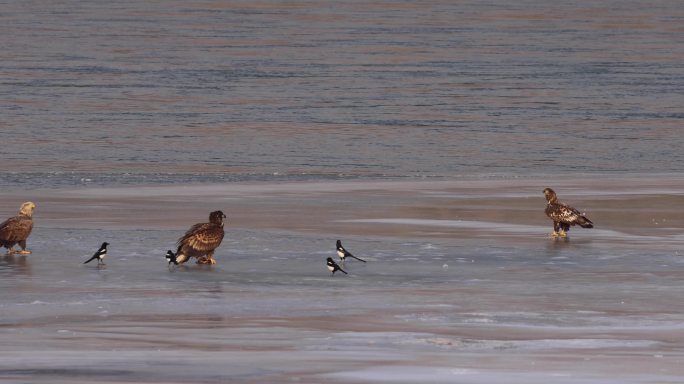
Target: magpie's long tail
(352, 256)
(91, 259)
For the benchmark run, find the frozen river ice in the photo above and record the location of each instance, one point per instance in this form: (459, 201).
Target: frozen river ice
(481, 306)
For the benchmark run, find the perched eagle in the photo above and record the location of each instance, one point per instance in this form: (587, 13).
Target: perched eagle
(563, 216)
(201, 240)
(17, 229)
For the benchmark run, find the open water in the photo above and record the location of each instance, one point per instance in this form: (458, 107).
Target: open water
(96, 92)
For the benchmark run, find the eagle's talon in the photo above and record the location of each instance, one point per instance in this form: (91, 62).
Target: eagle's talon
(553, 234)
(24, 252)
(206, 260)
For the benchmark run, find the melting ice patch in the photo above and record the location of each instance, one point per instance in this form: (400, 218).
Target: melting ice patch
(438, 375)
(404, 374)
(368, 341)
(511, 228)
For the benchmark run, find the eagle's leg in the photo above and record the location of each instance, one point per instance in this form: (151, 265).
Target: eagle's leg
(23, 251)
(563, 229)
(10, 250)
(556, 228)
(208, 259)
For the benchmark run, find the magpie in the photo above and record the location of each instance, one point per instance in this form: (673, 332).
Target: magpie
(343, 253)
(176, 258)
(333, 267)
(171, 257)
(100, 254)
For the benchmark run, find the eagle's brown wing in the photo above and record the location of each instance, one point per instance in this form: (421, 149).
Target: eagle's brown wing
(562, 213)
(16, 229)
(204, 237)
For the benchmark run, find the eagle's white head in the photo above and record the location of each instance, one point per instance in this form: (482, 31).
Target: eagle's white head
(27, 208)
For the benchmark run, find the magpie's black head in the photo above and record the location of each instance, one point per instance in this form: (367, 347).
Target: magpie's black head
(330, 260)
(339, 244)
(104, 245)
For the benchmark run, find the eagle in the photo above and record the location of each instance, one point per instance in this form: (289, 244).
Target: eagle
(563, 215)
(17, 229)
(201, 240)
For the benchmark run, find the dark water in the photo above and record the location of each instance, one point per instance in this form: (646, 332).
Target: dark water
(171, 91)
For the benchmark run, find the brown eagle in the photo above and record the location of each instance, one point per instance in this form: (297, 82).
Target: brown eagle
(17, 229)
(201, 240)
(563, 215)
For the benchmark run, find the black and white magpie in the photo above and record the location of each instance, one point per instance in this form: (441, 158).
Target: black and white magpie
(171, 257)
(343, 253)
(100, 254)
(175, 258)
(333, 267)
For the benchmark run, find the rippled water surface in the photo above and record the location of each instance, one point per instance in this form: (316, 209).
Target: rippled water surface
(165, 91)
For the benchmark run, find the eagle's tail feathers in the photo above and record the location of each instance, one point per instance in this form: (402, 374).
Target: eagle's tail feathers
(584, 222)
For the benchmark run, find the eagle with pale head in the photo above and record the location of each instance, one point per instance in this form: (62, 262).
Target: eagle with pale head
(201, 240)
(17, 229)
(563, 215)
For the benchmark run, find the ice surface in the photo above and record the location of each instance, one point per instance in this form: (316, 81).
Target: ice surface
(513, 306)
